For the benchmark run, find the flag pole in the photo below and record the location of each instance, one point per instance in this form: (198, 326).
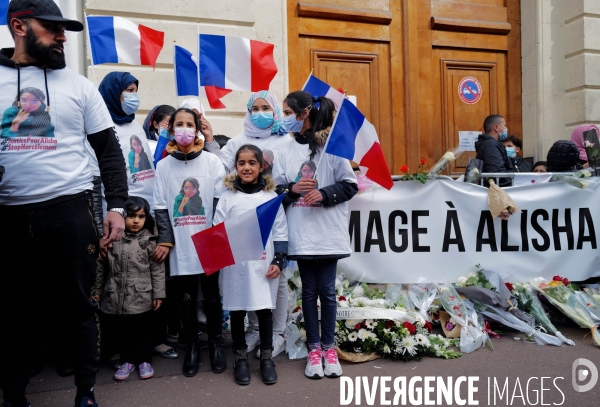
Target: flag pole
(308, 79)
(87, 31)
(175, 75)
(326, 144)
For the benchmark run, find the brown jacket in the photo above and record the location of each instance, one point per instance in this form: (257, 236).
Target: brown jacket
(129, 281)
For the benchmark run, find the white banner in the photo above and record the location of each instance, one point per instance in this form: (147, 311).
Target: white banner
(441, 230)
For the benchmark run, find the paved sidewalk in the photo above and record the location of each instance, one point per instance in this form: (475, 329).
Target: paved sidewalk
(511, 359)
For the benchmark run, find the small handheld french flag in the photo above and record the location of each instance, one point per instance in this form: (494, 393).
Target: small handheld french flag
(187, 83)
(238, 239)
(118, 40)
(3, 11)
(354, 138)
(236, 63)
(317, 87)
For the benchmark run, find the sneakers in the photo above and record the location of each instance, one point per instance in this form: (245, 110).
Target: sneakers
(201, 316)
(278, 345)
(124, 371)
(252, 339)
(146, 370)
(332, 364)
(314, 364)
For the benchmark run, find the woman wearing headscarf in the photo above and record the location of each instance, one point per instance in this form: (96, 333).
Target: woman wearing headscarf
(120, 93)
(157, 121)
(263, 127)
(577, 138)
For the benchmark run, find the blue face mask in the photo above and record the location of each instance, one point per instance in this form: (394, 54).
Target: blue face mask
(511, 152)
(262, 120)
(291, 124)
(130, 103)
(164, 133)
(503, 135)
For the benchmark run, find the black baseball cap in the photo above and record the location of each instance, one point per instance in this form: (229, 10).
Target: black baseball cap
(46, 10)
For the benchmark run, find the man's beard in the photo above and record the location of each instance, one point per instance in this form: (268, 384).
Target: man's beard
(44, 54)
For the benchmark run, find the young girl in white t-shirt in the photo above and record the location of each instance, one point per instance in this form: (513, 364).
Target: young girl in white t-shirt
(252, 285)
(187, 182)
(317, 215)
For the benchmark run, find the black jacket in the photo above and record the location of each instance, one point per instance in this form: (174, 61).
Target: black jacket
(494, 157)
(521, 165)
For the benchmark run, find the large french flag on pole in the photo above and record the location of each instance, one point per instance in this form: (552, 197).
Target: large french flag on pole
(236, 63)
(354, 138)
(238, 239)
(118, 40)
(187, 80)
(317, 87)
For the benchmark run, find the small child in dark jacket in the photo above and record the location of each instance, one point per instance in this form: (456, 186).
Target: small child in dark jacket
(129, 286)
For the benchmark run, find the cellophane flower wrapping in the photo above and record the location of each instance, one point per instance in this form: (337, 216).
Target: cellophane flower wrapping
(529, 302)
(448, 157)
(562, 298)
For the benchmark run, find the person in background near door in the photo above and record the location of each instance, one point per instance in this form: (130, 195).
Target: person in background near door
(577, 138)
(46, 209)
(157, 121)
(514, 146)
(490, 149)
(540, 166)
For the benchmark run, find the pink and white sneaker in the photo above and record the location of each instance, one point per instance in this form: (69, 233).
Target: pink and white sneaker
(124, 371)
(332, 364)
(314, 364)
(146, 370)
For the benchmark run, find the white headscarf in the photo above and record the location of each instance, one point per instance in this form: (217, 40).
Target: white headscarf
(192, 103)
(276, 129)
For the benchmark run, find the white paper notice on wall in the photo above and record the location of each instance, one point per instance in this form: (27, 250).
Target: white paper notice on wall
(352, 98)
(467, 140)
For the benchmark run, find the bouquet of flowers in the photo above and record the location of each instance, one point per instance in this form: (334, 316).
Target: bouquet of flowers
(574, 179)
(593, 154)
(448, 157)
(500, 203)
(563, 298)
(530, 303)
(476, 279)
(419, 176)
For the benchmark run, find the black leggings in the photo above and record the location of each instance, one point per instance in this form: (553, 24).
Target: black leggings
(265, 329)
(183, 295)
(133, 340)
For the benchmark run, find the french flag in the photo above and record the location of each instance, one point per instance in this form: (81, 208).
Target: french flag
(187, 79)
(236, 63)
(238, 239)
(317, 88)
(117, 40)
(354, 138)
(3, 11)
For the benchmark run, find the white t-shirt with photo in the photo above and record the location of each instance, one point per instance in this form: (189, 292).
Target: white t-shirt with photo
(273, 143)
(44, 152)
(187, 189)
(313, 229)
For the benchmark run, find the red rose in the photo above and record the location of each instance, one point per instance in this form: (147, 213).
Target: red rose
(436, 316)
(357, 327)
(296, 309)
(428, 326)
(411, 328)
(557, 278)
(389, 324)
(364, 324)
(423, 161)
(566, 281)
(509, 286)
(404, 168)
(341, 298)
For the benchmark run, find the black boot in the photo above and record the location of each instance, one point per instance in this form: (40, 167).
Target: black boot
(267, 367)
(191, 361)
(215, 351)
(241, 369)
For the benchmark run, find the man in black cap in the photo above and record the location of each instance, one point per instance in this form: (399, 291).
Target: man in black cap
(49, 240)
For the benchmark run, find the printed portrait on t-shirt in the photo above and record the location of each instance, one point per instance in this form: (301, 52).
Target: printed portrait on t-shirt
(268, 165)
(307, 170)
(138, 159)
(188, 202)
(27, 117)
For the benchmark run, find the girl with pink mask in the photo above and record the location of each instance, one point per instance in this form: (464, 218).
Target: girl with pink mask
(188, 183)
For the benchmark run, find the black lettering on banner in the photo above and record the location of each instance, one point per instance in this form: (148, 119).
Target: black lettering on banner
(354, 229)
(416, 231)
(524, 238)
(504, 246)
(402, 232)
(585, 217)
(486, 220)
(536, 226)
(452, 222)
(375, 220)
(557, 230)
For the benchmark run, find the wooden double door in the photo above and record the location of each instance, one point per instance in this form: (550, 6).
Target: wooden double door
(421, 70)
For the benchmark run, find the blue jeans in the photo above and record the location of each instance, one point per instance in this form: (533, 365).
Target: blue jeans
(318, 280)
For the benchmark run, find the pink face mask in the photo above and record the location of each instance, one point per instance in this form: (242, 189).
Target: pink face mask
(184, 136)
